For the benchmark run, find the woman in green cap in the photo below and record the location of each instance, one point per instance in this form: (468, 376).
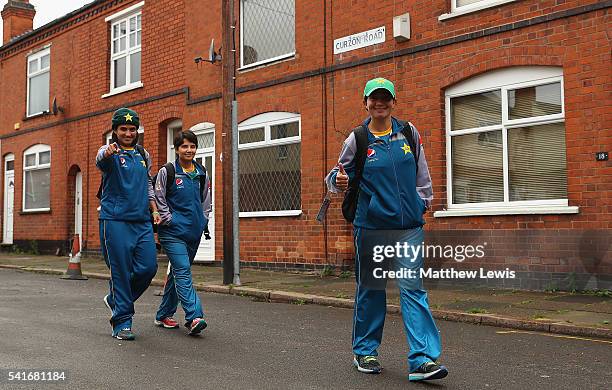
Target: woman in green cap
(126, 234)
(382, 165)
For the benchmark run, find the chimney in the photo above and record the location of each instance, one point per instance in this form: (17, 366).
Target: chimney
(18, 18)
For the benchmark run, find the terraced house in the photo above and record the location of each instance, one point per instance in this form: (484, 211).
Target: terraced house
(512, 99)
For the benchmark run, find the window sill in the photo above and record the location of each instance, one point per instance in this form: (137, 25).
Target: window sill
(123, 89)
(255, 214)
(265, 63)
(525, 210)
(470, 10)
(39, 115)
(36, 211)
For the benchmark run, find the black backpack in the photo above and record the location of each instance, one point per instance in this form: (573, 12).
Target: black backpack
(349, 204)
(140, 150)
(172, 173)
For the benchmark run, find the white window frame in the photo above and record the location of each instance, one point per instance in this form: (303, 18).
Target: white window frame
(172, 126)
(115, 19)
(37, 150)
(262, 62)
(475, 7)
(267, 120)
(37, 57)
(503, 80)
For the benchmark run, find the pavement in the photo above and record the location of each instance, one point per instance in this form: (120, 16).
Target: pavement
(585, 314)
(52, 324)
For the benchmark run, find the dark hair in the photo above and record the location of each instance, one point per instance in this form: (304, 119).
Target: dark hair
(185, 135)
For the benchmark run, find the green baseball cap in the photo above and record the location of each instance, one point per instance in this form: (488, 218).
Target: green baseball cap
(378, 83)
(125, 116)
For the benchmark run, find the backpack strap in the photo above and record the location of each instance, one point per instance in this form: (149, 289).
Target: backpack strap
(142, 152)
(409, 134)
(170, 174)
(361, 138)
(202, 179)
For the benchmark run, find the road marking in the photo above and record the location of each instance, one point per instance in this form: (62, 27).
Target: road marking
(554, 335)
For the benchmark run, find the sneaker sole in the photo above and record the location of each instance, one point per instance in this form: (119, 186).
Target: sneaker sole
(124, 338)
(438, 374)
(199, 327)
(365, 370)
(105, 299)
(161, 324)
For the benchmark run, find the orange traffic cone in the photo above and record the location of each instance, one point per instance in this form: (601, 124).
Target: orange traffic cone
(161, 292)
(74, 263)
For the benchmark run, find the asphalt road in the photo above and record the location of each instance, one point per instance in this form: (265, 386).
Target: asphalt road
(47, 323)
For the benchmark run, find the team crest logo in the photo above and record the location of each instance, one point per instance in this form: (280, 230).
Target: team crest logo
(371, 153)
(179, 182)
(122, 161)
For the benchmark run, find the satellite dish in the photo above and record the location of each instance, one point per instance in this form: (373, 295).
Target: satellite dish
(211, 52)
(55, 109)
(212, 55)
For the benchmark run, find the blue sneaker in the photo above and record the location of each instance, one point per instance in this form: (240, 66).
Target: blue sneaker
(428, 371)
(125, 334)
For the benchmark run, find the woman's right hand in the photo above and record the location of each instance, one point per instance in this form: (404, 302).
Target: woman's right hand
(342, 179)
(112, 149)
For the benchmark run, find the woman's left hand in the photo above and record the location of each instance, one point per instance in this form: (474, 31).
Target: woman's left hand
(156, 218)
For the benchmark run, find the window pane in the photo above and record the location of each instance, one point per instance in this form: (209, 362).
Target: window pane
(251, 135)
(477, 168)
(268, 29)
(33, 66)
(122, 42)
(138, 22)
(132, 39)
(461, 3)
(120, 72)
(39, 94)
(132, 24)
(115, 31)
(135, 67)
(138, 38)
(30, 160)
(285, 130)
(45, 61)
(44, 157)
(534, 101)
(270, 178)
(536, 158)
(37, 188)
(479, 110)
(208, 165)
(10, 165)
(115, 46)
(206, 140)
(122, 28)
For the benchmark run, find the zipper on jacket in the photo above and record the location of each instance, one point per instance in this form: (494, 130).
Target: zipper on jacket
(399, 195)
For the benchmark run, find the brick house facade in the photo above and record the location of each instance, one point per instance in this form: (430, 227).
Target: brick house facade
(475, 77)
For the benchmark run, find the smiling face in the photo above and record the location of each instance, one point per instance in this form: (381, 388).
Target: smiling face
(380, 104)
(126, 134)
(186, 151)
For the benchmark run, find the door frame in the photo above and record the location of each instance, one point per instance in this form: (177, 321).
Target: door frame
(200, 129)
(78, 206)
(5, 223)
